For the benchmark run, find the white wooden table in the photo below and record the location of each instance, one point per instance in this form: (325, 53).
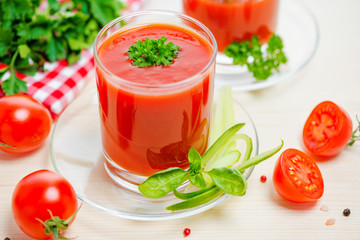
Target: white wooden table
(278, 112)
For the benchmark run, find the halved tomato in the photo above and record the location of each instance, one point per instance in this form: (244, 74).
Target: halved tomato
(297, 177)
(327, 130)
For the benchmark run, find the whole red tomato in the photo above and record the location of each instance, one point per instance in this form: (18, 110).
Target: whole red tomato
(24, 123)
(297, 178)
(327, 130)
(36, 195)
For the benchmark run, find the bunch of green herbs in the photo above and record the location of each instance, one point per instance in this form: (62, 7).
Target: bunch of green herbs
(261, 63)
(30, 36)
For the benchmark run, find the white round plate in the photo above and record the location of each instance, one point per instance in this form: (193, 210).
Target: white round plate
(76, 153)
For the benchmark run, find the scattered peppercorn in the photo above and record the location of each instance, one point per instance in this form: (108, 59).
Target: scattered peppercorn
(187, 232)
(330, 221)
(346, 212)
(263, 178)
(7, 238)
(324, 208)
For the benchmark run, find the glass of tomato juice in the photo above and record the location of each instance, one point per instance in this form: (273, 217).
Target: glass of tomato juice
(235, 20)
(151, 116)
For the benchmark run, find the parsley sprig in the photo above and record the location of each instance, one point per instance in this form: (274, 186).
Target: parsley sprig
(261, 64)
(152, 52)
(29, 36)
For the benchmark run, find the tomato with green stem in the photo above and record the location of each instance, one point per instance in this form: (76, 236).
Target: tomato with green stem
(44, 204)
(327, 130)
(297, 177)
(24, 123)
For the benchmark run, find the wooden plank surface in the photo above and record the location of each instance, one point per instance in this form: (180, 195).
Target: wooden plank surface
(278, 112)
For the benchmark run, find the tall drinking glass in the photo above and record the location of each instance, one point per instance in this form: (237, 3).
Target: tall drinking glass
(151, 116)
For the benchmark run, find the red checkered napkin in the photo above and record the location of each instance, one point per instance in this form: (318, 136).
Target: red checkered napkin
(60, 84)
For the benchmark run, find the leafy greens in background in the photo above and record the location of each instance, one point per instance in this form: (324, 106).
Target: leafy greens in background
(261, 64)
(30, 36)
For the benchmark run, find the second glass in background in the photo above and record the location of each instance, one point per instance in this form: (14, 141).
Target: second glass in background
(235, 20)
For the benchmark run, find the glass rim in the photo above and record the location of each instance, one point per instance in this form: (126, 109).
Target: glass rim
(213, 44)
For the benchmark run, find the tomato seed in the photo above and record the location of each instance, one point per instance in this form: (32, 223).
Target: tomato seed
(346, 212)
(330, 221)
(187, 232)
(263, 178)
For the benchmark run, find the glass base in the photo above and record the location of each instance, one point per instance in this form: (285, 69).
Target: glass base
(121, 176)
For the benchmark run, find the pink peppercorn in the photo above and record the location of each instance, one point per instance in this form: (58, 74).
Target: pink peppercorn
(263, 178)
(187, 232)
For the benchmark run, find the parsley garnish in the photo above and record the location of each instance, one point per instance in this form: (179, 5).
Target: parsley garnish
(152, 52)
(29, 37)
(261, 64)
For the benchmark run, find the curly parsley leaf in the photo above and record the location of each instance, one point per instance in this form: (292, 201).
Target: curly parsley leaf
(152, 52)
(262, 64)
(13, 85)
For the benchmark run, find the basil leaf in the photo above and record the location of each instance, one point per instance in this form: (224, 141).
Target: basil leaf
(197, 179)
(229, 180)
(194, 160)
(163, 182)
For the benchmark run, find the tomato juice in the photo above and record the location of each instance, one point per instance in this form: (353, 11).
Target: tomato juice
(235, 20)
(150, 117)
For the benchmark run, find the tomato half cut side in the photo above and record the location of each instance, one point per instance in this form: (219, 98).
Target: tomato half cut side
(297, 177)
(327, 130)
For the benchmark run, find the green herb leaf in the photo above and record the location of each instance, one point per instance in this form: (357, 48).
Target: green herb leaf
(197, 180)
(194, 160)
(229, 180)
(13, 84)
(163, 182)
(261, 64)
(37, 35)
(24, 50)
(152, 52)
(104, 11)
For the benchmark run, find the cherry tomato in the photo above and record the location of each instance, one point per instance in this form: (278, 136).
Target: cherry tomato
(297, 178)
(327, 130)
(35, 195)
(24, 123)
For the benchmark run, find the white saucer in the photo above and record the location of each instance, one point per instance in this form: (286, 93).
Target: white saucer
(76, 153)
